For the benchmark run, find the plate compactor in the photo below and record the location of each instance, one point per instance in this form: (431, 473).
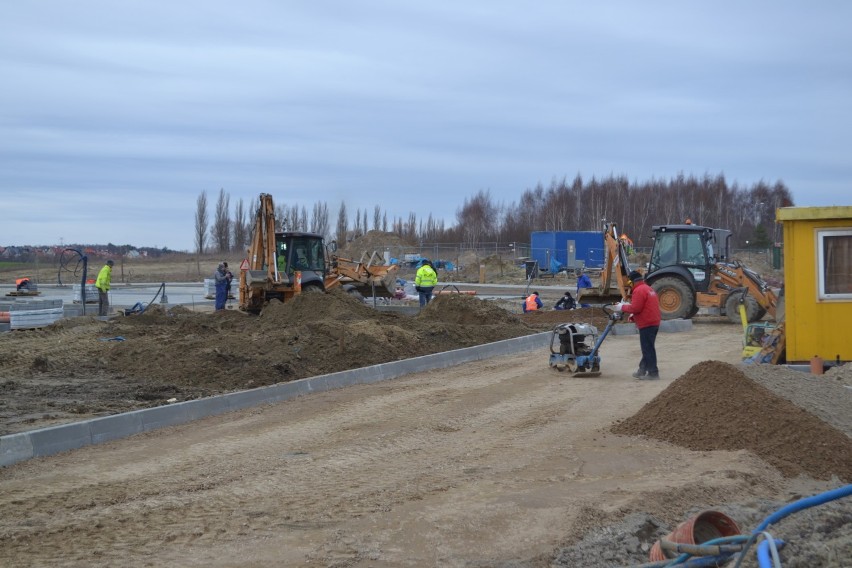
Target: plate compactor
(574, 346)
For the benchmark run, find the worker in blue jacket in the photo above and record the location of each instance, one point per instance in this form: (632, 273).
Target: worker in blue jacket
(583, 282)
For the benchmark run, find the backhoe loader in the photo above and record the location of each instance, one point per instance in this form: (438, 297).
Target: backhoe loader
(690, 268)
(282, 264)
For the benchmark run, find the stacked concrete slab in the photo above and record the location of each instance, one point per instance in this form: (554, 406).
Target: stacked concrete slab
(91, 294)
(209, 288)
(29, 313)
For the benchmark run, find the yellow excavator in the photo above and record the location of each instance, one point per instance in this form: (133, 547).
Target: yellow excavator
(282, 264)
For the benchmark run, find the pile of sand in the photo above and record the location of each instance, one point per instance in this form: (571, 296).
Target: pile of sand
(715, 406)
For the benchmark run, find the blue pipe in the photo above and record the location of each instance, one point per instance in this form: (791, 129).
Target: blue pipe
(805, 503)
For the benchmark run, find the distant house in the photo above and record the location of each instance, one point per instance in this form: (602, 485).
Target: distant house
(817, 282)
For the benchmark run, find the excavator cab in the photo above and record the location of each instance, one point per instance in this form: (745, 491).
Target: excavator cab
(691, 268)
(295, 252)
(686, 250)
(303, 252)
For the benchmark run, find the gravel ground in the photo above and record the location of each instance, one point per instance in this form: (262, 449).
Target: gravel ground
(828, 397)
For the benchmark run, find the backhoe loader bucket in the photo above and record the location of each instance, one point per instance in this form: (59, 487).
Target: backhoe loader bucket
(256, 278)
(595, 297)
(367, 278)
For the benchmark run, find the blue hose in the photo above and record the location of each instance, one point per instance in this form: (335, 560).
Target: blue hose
(805, 503)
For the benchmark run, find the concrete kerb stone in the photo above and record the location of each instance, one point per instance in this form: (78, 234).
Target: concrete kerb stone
(15, 448)
(116, 426)
(666, 326)
(676, 325)
(56, 439)
(48, 441)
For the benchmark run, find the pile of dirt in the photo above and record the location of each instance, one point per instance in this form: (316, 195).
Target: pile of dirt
(715, 406)
(462, 309)
(548, 319)
(374, 241)
(497, 269)
(82, 367)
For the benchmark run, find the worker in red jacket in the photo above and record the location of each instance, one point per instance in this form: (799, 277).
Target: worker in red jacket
(645, 309)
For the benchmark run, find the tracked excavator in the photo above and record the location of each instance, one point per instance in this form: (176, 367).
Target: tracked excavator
(690, 268)
(283, 264)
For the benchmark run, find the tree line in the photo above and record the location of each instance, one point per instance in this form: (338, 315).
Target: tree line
(578, 205)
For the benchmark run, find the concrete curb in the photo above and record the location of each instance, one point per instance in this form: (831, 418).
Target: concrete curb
(48, 441)
(666, 326)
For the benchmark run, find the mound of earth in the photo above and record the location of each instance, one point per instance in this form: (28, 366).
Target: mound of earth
(374, 241)
(715, 406)
(82, 367)
(548, 319)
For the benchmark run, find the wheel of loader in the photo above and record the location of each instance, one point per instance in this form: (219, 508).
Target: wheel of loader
(311, 289)
(675, 296)
(753, 310)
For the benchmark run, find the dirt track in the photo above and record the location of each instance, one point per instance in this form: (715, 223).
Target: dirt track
(500, 462)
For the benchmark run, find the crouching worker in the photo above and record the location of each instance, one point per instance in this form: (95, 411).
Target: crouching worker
(532, 303)
(566, 302)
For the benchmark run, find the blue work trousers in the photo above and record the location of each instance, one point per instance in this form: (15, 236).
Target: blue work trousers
(425, 293)
(221, 294)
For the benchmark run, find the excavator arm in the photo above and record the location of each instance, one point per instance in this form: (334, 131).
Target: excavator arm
(617, 265)
(262, 274)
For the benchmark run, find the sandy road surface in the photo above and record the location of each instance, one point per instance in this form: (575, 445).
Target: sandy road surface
(490, 463)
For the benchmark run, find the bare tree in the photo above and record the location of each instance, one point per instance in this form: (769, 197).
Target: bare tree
(319, 219)
(201, 220)
(477, 218)
(356, 230)
(410, 231)
(342, 224)
(222, 223)
(377, 218)
(303, 218)
(241, 229)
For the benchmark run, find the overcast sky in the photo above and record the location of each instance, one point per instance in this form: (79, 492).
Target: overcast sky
(115, 116)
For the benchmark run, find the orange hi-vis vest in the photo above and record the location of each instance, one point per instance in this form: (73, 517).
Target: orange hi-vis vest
(531, 304)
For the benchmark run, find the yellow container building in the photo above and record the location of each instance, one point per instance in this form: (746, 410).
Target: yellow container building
(817, 282)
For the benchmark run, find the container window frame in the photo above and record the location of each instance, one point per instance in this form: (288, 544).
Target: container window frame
(822, 267)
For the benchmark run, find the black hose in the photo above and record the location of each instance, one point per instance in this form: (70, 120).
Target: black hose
(143, 307)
